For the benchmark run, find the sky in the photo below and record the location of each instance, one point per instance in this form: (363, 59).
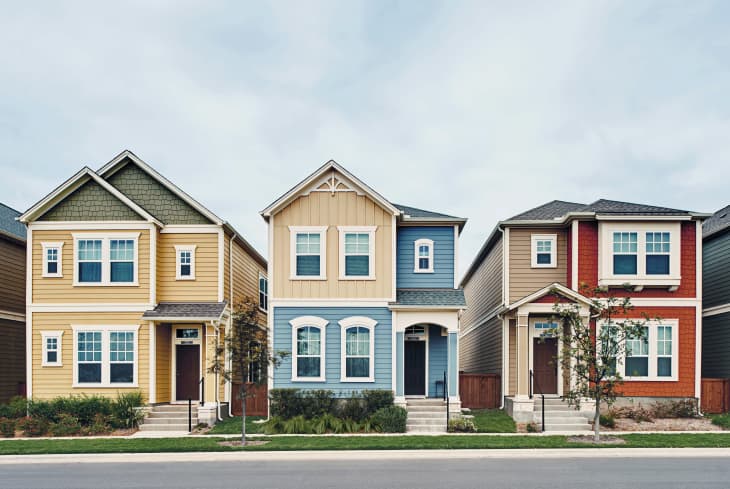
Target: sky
(476, 109)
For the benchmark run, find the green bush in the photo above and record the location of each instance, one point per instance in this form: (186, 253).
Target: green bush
(15, 409)
(377, 399)
(7, 427)
(316, 403)
(297, 425)
(607, 420)
(66, 425)
(84, 408)
(285, 403)
(391, 419)
(125, 412)
(461, 425)
(353, 408)
(33, 426)
(274, 426)
(99, 426)
(684, 408)
(531, 428)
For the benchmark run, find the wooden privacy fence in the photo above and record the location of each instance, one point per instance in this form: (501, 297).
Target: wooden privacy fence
(715, 396)
(480, 391)
(256, 403)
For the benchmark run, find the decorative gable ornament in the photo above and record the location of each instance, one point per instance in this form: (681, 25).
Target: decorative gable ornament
(333, 184)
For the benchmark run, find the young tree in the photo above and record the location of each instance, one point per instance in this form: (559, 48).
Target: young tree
(592, 347)
(248, 348)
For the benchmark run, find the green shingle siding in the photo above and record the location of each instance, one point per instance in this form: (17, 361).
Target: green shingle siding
(91, 202)
(153, 197)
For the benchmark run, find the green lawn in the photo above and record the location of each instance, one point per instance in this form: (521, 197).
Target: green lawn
(493, 421)
(721, 420)
(201, 444)
(232, 426)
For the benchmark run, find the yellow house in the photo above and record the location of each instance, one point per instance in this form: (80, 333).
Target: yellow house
(130, 283)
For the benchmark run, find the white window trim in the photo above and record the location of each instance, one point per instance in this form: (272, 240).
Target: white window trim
(106, 259)
(58, 335)
(264, 309)
(416, 245)
(322, 230)
(315, 322)
(370, 231)
(363, 322)
(178, 264)
(45, 246)
(606, 277)
(105, 363)
(553, 238)
(652, 339)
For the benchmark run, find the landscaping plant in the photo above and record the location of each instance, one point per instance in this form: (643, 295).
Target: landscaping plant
(7, 427)
(391, 419)
(461, 425)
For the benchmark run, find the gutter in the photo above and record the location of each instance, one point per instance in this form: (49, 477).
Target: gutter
(229, 386)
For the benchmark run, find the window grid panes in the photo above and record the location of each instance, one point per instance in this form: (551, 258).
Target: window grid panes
(357, 254)
(121, 257)
(186, 261)
(308, 247)
(424, 257)
(308, 351)
(637, 355)
(89, 356)
(657, 253)
(51, 350)
(121, 357)
(544, 248)
(664, 351)
(52, 260)
(625, 249)
(357, 352)
(89, 260)
(263, 293)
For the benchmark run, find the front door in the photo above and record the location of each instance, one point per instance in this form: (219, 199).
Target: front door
(545, 366)
(415, 368)
(187, 375)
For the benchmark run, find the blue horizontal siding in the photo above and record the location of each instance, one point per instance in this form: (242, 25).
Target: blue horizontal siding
(443, 257)
(383, 348)
(437, 359)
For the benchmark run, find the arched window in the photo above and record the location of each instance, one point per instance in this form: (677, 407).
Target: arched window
(358, 349)
(308, 348)
(423, 259)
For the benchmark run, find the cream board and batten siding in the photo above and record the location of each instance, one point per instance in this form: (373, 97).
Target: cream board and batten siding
(204, 287)
(61, 290)
(523, 279)
(340, 209)
(50, 382)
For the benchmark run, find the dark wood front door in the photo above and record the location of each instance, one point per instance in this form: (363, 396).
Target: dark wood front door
(415, 368)
(545, 366)
(187, 375)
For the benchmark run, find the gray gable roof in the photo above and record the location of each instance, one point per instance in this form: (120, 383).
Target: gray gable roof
(8, 224)
(604, 206)
(204, 311)
(552, 210)
(719, 221)
(431, 297)
(416, 213)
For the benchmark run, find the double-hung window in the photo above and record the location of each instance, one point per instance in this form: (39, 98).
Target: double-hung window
(637, 356)
(105, 356)
(625, 253)
(52, 262)
(664, 351)
(51, 348)
(263, 292)
(308, 348)
(185, 262)
(544, 250)
(658, 252)
(357, 252)
(357, 349)
(308, 252)
(423, 256)
(653, 356)
(105, 259)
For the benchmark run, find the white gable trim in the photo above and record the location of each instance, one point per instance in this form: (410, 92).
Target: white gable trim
(319, 177)
(561, 289)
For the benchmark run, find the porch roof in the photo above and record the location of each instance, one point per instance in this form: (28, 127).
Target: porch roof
(186, 311)
(554, 288)
(444, 298)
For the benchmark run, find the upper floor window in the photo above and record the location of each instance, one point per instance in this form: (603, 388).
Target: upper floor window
(423, 258)
(52, 263)
(263, 293)
(308, 348)
(308, 252)
(357, 252)
(544, 251)
(185, 262)
(625, 253)
(658, 251)
(105, 260)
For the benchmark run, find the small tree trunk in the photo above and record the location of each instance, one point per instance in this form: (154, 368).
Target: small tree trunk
(242, 393)
(597, 422)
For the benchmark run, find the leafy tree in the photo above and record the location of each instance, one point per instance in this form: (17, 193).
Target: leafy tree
(248, 348)
(590, 354)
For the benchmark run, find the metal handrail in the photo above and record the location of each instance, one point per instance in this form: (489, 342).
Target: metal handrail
(532, 379)
(446, 397)
(201, 383)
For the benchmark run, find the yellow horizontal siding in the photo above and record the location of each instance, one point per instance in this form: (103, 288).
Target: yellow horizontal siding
(62, 290)
(205, 285)
(163, 363)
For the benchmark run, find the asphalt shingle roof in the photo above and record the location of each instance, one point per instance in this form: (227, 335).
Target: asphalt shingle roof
(430, 297)
(416, 213)
(558, 208)
(720, 220)
(9, 225)
(551, 210)
(197, 310)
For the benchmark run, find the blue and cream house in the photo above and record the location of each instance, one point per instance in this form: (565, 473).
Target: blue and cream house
(362, 292)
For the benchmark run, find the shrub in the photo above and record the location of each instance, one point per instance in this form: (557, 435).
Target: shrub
(326, 423)
(638, 413)
(316, 403)
(285, 403)
(84, 408)
(461, 425)
(684, 408)
(531, 428)
(125, 412)
(100, 425)
(33, 426)
(297, 425)
(607, 420)
(7, 427)
(274, 425)
(15, 409)
(353, 408)
(376, 399)
(391, 419)
(66, 425)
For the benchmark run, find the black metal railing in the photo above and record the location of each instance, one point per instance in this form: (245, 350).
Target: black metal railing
(533, 380)
(202, 390)
(190, 415)
(446, 397)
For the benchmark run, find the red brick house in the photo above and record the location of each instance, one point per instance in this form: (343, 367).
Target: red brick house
(574, 248)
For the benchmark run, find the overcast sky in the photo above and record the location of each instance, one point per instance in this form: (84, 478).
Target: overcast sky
(477, 109)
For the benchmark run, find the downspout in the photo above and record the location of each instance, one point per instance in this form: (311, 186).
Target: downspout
(229, 386)
(217, 329)
(504, 304)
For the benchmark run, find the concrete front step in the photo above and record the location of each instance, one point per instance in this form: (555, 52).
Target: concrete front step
(159, 421)
(426, 428)
(171, 414)
(567, 427)
(426, 409)
(563, 419)
(429, 421)
(427, 414)
(164, 427)
(174, 407)
(425, 402)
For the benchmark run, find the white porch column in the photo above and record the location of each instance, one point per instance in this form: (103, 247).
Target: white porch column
(523, 358)
(152, 397)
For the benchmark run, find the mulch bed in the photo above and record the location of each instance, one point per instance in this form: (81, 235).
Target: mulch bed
(665, 424)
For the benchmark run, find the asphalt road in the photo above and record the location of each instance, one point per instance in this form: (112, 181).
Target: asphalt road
(386, 472)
